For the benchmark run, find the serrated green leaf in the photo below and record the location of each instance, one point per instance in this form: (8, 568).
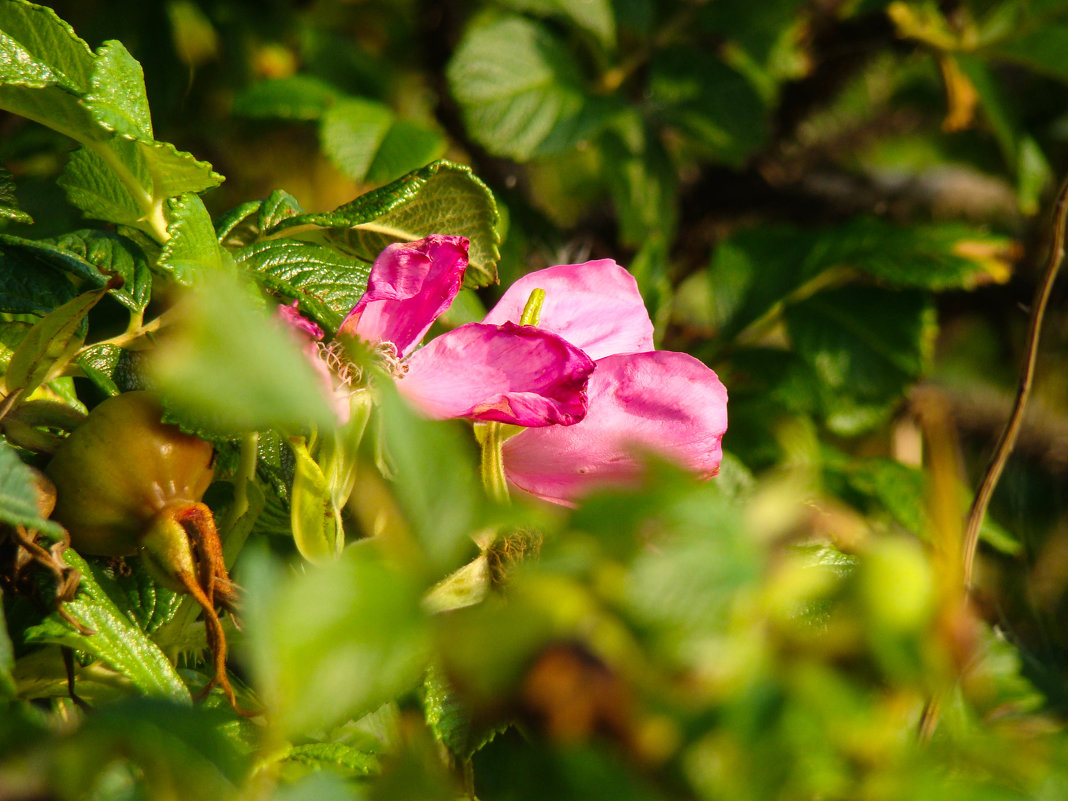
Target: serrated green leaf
(236, 227)
(441, 198)
(367, 141)
(192, 250)
(450, 720)
(97, 190)
(521, 91)
(298, 97)
(99, 364)
(720, 112)
(332, 756)
(116, 96)
(175, 172)
(140, 598)
(49, 346)
(116, 641)
(18, 495)
(9, 207)
(866, 345)
(232, 366)
(29, 287)
(44, 69)
(754, 270)
(325, 282)
(278, 206)
(109, 253)
(596, 17)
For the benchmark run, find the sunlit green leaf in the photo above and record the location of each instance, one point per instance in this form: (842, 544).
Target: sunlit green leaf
(441, 198)
(116, 96)
(192, 249)
(521, 91)
(325, 282)
(18, 495)
(116, 640)
(336, 640)
(9, 207)
(234, 368)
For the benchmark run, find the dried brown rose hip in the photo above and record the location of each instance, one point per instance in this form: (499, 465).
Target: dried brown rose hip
(128, 483)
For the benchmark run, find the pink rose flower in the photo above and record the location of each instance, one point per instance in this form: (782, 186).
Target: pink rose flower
(641, 401)
(503, 372)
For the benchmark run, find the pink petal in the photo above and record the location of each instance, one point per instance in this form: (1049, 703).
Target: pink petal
(509, 373)
(410, 284)
(298, 322)
(595, 306)
(666, 403)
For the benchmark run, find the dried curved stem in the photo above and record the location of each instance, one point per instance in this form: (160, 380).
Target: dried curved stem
(1027, 372)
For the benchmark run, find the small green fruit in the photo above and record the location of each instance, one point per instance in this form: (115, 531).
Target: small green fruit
(120, 468)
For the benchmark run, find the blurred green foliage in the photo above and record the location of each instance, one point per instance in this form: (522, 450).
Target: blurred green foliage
(838, 205)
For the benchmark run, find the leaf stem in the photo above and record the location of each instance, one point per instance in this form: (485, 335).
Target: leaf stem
(1027, 372)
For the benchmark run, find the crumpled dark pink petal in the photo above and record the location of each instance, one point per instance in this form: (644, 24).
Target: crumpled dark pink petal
(411, 283)
(595, 306)
(509, 374)
(660, 402)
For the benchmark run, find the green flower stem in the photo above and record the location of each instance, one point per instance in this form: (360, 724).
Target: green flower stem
(493, 479)
(246, 473)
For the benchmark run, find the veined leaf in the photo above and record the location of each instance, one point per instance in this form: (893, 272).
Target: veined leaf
(441, 198)
(116, 95)
(596, 17)
(29, 287)
(9, 207)
(521, 91)
(867, 345)
(44, 69)
(50, 344)
(18, 497)
(367, 141)
(298, 97)
(325, 282)
(117, 641)
(192, 249)
(92, 186)
(109, 253)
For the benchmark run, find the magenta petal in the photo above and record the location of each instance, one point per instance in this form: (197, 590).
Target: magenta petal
(509, 373)
(298, 322)
(595, 306)
(661, 402)
(410, 284)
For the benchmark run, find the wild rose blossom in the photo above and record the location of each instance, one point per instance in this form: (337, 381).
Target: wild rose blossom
(505, 373)
(640, 400)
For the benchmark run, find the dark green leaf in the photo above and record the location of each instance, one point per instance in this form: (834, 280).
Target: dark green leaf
(521, 91)
(9, 207)
(719, 111)
(279, 205)
(642, 181)
(141, 599)
(298, 97)
(1041, 49)
(108, 253)
(29, 287)
(325, 283)
(866, 345)
(237, 226)
(441, 198)
(18, 495)
(450, 720)
(99, 363)
(117, 641)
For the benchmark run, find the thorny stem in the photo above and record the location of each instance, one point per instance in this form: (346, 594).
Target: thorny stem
(1027, 373)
